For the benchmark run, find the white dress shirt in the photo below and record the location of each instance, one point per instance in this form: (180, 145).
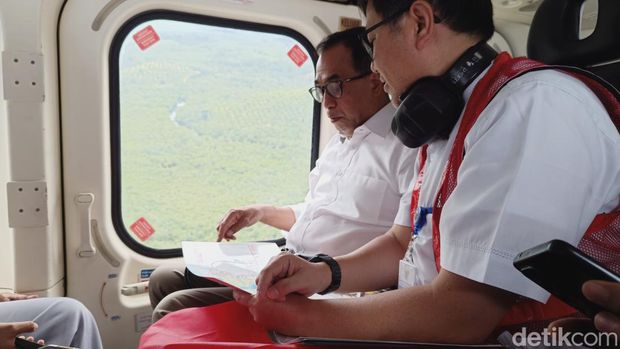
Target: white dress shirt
(359, 188)
(541, 161)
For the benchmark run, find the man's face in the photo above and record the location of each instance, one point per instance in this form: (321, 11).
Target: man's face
(349, 110)
(389, 54)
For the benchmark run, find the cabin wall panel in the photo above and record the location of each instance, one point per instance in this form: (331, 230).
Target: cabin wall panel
(31, 150)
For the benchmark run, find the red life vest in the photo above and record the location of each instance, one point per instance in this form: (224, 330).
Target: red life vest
(602, 239)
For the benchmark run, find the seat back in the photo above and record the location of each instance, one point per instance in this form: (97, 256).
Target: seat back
(554, 38)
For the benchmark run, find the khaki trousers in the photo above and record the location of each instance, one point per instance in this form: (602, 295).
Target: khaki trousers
(171, 289)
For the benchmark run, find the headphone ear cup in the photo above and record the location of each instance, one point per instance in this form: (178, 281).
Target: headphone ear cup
(428, 109)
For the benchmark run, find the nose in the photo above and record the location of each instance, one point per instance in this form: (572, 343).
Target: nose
(372, 67)
(328, 101)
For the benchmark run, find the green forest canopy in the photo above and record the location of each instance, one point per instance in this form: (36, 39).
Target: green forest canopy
(211, 119)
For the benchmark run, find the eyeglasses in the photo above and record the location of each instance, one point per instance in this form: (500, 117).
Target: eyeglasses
(333, 87)
(364, 36)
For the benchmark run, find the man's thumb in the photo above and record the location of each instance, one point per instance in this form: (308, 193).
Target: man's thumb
(284, 287)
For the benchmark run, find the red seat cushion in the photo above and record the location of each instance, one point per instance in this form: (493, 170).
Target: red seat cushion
(225, 325)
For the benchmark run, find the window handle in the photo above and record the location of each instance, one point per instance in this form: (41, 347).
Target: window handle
(135, 289)
(84, 202)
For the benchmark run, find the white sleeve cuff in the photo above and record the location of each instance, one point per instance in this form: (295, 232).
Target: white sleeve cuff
(298, 209)
(488, 266)
(403, 215)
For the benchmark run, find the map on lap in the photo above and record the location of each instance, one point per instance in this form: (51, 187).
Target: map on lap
(232, 264)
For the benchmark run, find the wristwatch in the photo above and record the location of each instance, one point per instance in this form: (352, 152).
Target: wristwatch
(334, 267)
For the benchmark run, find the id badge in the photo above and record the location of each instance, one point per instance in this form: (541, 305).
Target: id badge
(406, 274)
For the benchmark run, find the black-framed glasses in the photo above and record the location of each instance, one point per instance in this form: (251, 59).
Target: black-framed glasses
(332, 87)
(364, 36)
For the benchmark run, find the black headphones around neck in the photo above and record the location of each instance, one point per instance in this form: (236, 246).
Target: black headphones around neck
(431, 107)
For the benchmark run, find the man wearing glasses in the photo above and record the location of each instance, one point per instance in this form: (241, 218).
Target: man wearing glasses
(359, 189)
(538, 162)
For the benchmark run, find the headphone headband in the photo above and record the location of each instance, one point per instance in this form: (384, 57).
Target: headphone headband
(432, 105)
(469, 65)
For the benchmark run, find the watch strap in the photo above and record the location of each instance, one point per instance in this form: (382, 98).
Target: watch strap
(335, 269)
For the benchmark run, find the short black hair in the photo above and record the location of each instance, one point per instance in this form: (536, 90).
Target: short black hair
(350, 38)
(462, 16)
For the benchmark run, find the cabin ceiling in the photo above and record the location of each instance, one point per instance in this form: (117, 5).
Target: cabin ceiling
(521, 10)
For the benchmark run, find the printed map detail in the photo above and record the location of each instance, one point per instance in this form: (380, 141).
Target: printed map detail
(233, 264)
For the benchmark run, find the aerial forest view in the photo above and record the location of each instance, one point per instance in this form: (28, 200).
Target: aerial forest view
(211, 119)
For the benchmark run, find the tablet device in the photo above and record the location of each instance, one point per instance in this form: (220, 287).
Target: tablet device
(21, 343)
(562, 269)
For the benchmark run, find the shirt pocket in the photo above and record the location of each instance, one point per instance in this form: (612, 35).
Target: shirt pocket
(362, 198)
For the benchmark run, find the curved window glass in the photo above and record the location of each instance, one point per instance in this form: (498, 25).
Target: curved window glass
(209, 115)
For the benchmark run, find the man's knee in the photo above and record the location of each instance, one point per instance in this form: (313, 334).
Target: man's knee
(166, 305)
(163, 281)
(166, 275)
(64, 321)
(71, 311)
(190, 298)
(69, 305)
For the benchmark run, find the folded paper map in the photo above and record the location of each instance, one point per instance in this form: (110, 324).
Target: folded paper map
(232, 264)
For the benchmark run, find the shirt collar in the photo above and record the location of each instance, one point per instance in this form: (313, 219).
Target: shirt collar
(381, 123)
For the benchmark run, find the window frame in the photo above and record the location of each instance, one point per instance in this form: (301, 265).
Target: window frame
(115, 132)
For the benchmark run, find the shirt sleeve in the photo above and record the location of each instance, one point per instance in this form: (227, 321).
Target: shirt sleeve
(298, 209)
(531, 173)
(406, 173)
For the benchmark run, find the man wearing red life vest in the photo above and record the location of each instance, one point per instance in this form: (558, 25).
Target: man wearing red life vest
(507, 161)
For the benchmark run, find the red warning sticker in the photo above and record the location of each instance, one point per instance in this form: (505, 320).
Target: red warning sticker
(146, 37)
(142, 229)
(298, 55)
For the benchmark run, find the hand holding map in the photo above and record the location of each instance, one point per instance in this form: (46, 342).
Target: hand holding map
(233, 264)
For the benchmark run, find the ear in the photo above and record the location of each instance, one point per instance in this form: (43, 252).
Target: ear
(422, 14)
(376, 84)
